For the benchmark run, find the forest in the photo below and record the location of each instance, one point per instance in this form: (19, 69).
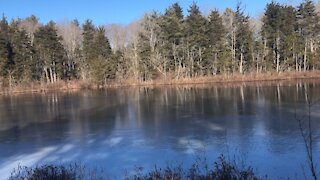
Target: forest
(168, 45)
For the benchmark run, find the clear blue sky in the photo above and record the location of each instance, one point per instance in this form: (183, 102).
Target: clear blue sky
(113, 11)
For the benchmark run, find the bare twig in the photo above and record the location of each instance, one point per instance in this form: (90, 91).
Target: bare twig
(307, 135)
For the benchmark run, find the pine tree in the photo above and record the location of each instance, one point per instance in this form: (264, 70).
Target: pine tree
(218, 60)
(88, 39)
(244, 40)
(144, 53)
(229, 22)
(4, 43)
(271, 33)
(121, 64)
(89, 31)
(288, 37)
(196, 35)
(102, 65)
(151, 44)
(21, 66)
(101, 47)
(6, 54)
(50, 53)
(279, 35)
(308, 28)
(171, 24)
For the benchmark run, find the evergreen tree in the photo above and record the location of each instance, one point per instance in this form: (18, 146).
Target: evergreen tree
(102, 65)
(171, 24)
(218, 60)
(243, 40)
(279, 34)
(22, 52)
(144, 52)
(6, 59)
(308, 29)
(230, 24)
(4, 45)
(88, 40)
(89, 31)
(288, 37)
(151, 48)
(196, 35)
(121, 64)
(101, 47)
(50, 53)
(271, 33)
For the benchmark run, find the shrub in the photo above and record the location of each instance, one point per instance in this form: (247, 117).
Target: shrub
(222, 169)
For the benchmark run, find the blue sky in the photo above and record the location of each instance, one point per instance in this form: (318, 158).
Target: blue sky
(113, 11)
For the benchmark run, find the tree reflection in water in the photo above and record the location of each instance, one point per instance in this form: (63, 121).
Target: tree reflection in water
(157, 125)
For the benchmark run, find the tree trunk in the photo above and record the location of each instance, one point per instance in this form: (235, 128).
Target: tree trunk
(264, 52)
(175, 59)
(311, 46)
(233, 50)
(294, 59)
(278, 54)
(51, 75)
(257, 61)
(200, 61)
(165, 68)
(305, 57)
(278, 63)
(54, 77)
(45, 69)
(135, 63)
(253, 59)
(297, 65)
(192, 65)
(312, 51)
(10, 79)
(241, 63)
(214, 67)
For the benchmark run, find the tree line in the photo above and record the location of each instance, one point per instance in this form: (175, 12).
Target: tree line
(170, 45)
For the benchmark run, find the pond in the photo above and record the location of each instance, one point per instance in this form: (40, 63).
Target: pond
(119, 129)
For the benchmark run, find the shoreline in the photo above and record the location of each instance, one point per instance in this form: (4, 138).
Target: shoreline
(77, 85)
(224, 79)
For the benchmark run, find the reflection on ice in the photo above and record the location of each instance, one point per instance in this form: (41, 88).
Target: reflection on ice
(138, 143)
(191, 145)
(25, 160)
(90, 141)
(215, 127)
(113, 141)
(65, 148)
(148, 126)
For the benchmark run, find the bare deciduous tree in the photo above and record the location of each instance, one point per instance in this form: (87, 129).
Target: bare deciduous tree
(133, 30)
(30, 25)
(71, 33)
(117, 35)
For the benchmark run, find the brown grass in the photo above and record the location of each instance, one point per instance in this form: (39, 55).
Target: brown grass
(34, 87)
(222, 79)
(232, 79)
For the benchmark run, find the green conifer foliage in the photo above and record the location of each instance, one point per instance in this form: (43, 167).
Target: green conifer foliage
(50, 54)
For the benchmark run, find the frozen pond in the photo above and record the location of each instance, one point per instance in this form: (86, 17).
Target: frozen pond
(122, 128)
